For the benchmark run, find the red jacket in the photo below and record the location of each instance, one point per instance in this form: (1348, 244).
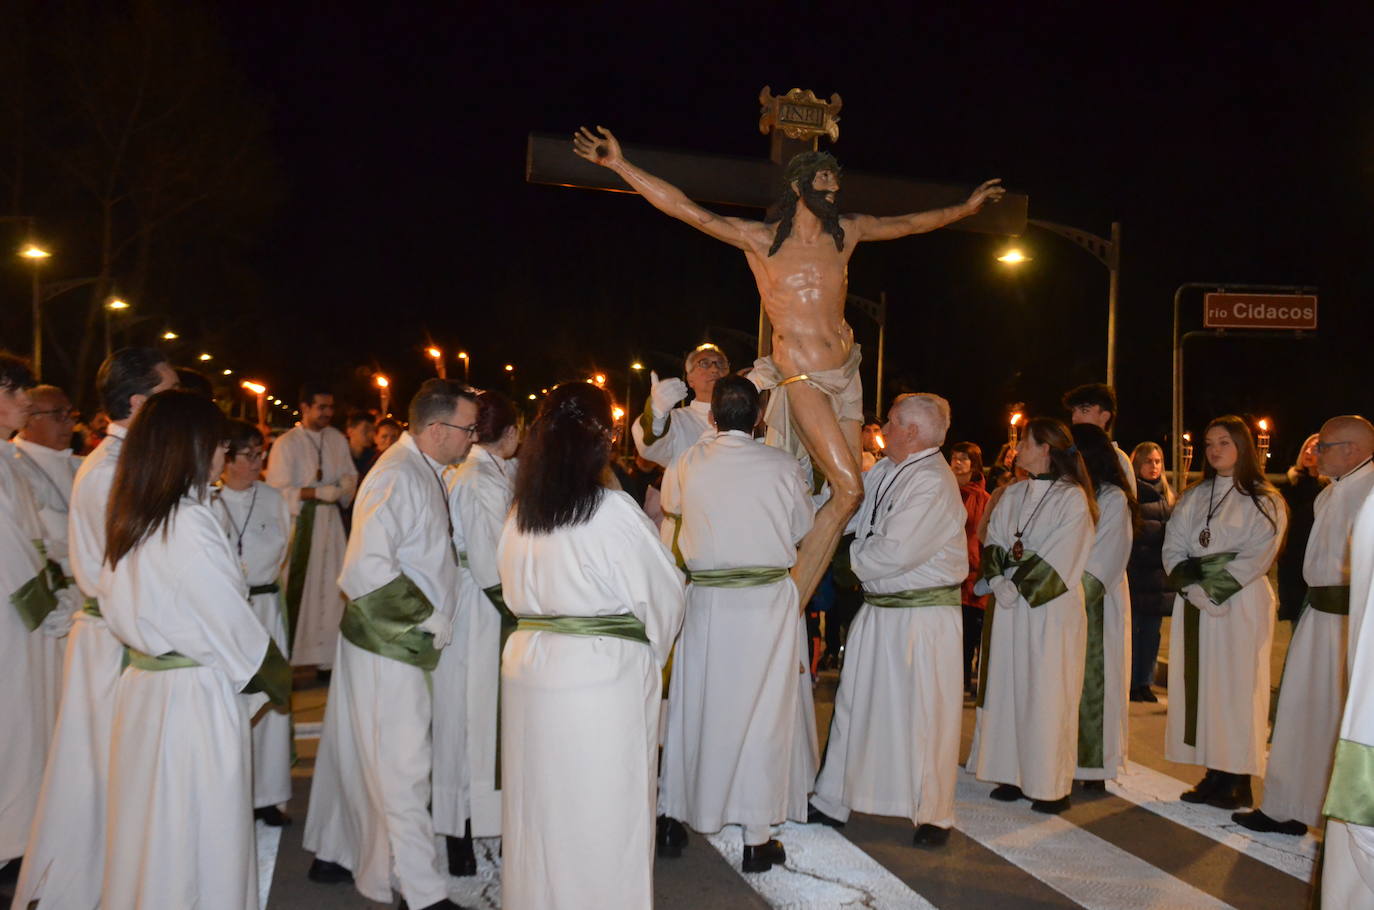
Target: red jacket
(975, 496)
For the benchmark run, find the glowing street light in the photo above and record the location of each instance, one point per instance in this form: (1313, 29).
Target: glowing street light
(636, 366)
(599, 379)
(117, 303)
(533, 397)
(463, 356)
(256, 388)
(31, 251)
(227, 372)
(1013, 256)
(169, 335)
(260, 392)
(384, 392)
(510, 368)
(35, 255)
(205, 357)
(438, 357)
(381, 381)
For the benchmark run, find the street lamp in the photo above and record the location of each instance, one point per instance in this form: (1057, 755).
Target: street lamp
(205, 357)
(113, 305)
(438, 357)
(1013, 256)
(260, 391)
(169, 335)
(463, 356)
(384, 392)
(635, 367)
(36, 255)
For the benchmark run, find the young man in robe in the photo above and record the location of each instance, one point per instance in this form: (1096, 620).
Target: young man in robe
(1314, 673)
(665, 430)
(64, 861)
(369, 816)
(740, 747)
(312, 467)
(1095, 403)
(894, 738)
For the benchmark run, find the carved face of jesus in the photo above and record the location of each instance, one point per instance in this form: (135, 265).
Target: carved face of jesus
(826, 182)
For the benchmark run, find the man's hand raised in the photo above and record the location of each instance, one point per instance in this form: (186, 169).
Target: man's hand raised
(603, 150)
(988, 191)
(664, 394)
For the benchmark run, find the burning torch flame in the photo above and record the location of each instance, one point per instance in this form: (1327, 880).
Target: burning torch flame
(256, 388)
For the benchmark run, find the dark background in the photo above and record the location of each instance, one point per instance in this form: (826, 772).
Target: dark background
(381, 203)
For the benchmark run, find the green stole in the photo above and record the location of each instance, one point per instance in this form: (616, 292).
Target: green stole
(745, 577)
(676, 519)
(646, 423)
(1092, 706)
(1209, 572)
(1350, 797)
(386, 622)
(299, 561)
(273, 678)
(37, 597)
(1036, 580)
(617, 625)
(940, 596)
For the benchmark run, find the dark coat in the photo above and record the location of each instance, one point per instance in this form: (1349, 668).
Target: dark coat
(1300, 492)
(1150, 592)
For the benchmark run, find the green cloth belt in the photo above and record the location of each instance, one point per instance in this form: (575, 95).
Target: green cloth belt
(745, 577)
(299, 561)
(1333, 599)
(1036, 580)
(273, 678)
(386, 622)
(169, 661)
(91, 607)
(1351, 794)
(941, 596)
(676, 519)
(270, 588)
(617, 625)
(508, 624)
(646, 423)
(35, 599)
(463, 559)
(1210, 573)
(1091, 707)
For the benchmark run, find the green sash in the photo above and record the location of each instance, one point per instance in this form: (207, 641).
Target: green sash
(508, 624)
(941, 596)
(646, 423)
(617, 625)
(386, 622)
(463, 559)
(1091, 707)
(299, 561)
(273, 678)
(1035, 579)
(270, 588)
(35, 599)
(169, 661)
(676, 519)
(1333, 599)
(1210, 573)
(91, 607)
(746, 577)
(1351, 794)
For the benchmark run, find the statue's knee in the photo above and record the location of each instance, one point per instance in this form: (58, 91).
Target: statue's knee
(848, 493)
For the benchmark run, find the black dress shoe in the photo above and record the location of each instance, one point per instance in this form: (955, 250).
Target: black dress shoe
(672, 837)
(1094, 786)
(323, 872)
(324, 676)
(1258, 821)
(1233, 793)
(272, 817)
(930, 836)
(815, 816)
(1204, 788)
(763, 857)
(1050, 806)
(1147, 695)
(444, 904)
(461, 860)
(1007, 793)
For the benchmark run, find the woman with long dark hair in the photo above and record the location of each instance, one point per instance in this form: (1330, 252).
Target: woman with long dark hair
(1151, 599)
(599, 602)
(1034, 634)
(1102, 711)
(467, 800)
(1218, 547)
(180, 820)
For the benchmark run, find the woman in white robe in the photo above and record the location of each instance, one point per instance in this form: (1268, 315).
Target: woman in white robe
(1220, 543)
(600, 602)
(1035, 635)
(257, 522)
(180, 822)
(1103, 713)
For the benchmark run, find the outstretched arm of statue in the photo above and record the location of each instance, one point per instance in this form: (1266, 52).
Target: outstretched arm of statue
(872, 227)
(662, 195)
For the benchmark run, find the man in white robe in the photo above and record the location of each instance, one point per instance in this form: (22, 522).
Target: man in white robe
(64, 862)
(664, 430)
(1348, 863)
(894, 738)
(1312, 692)
(739, 705)
(312, 467)
(1095, 403)
(369, 809)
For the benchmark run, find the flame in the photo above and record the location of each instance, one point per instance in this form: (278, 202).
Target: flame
(878, 438)
(381, 381)
(434, 352)
(510, 368)
(1016, 418)
(1264, 425)
(256, 388)
(1187, 437)
(599, 379)
(617, 412)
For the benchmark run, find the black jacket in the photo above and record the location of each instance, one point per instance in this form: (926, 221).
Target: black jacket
(1150, 593)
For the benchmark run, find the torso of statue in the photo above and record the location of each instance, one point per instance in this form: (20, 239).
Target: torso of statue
(803, 287)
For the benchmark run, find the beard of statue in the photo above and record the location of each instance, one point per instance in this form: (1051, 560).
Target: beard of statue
(818, 204)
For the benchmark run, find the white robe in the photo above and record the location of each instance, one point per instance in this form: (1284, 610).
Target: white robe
(296, 460)
(369, 807)
(674, 433)
(465, 710)
(1312, 691)
(1107, 563)
(1234, 638)
(894, 738)
(579, 721)
(265, 524)
(180, 823)
(23, 713)
(1027, 729)
(64, 861)
(739, 700)
(1348, 866)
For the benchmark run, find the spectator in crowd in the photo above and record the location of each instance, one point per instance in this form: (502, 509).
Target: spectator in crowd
(1151, 599)
(1299, 489)
(388, 431)
(966, 460)
(872, 444)
(361, 429)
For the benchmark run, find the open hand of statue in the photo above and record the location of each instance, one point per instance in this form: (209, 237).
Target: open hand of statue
(603, 150)
(988, 191)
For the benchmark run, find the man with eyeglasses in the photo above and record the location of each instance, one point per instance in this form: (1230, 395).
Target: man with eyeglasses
(665, 430)
(1314, 674)
(369, 818)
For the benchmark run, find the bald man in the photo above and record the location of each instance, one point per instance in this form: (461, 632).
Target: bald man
(1312, 693)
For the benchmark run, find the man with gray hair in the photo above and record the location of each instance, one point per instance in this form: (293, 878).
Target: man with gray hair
(665, 430)
(894, 738)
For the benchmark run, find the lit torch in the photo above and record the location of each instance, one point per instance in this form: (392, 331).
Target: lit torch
(1014, 429)
(1262, 443)
(260, 390)
(438, 357)
(384, 391)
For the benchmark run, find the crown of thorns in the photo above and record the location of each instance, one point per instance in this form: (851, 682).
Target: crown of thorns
(806, 165)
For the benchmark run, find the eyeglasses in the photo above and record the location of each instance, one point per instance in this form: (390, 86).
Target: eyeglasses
(1323, 446)
(704, 362)
(470, 429)
(61, 415)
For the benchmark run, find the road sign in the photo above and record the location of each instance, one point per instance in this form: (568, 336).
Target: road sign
(1295, 312)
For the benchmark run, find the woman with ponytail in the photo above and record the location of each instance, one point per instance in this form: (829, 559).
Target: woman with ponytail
(1224, 535)
(598, 602)
(1034, 634)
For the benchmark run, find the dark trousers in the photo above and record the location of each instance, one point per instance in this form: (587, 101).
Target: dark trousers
(973, 637)
(1144, 649)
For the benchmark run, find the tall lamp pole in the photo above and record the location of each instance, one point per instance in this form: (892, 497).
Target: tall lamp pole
(635, 367)
(36, 255)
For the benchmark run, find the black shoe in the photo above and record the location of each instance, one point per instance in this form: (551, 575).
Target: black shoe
(1093, 786)
(1050, 806)
(1147, 695)
(672, 837)
(1007, 793)
(323, 872)
(815, 816)
(444, 904)
(1233, 793)
(930, 836)
(1204, 788)
(272, 817)
(763, 857)
(1258, 821)
(324, 675)
(461, 860)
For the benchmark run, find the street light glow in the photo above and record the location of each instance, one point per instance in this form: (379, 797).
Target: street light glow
(532, 396)
(227, 372)
(599, 379)
(462, 355)
(34, 252)
(636, 365)
(256, 388)
(170, 336)
(434, 352)
(117, 304)
(381, 381)
(1013, 256)
(205, 357)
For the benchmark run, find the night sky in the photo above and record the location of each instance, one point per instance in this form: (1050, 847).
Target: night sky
(1232, 145)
